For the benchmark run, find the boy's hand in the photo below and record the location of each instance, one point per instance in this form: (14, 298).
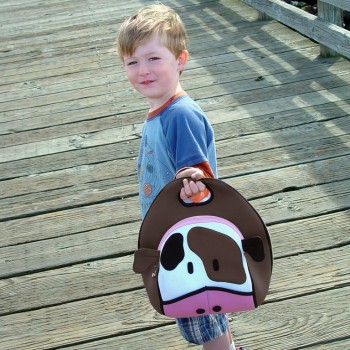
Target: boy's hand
(191, 188)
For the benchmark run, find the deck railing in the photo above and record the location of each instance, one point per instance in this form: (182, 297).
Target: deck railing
(326, 28)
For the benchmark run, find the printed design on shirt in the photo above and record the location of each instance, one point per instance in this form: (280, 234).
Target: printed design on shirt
(147, 176)
(148, 170)
(153, 173)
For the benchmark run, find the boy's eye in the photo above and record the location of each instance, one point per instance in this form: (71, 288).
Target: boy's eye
(154, 58)
(131, 63)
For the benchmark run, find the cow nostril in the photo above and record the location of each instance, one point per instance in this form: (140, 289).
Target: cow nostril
(200, 311)
(216, 266)
(190, 268)
(217, 308)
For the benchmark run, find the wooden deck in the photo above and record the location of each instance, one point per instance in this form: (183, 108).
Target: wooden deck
(69, 134)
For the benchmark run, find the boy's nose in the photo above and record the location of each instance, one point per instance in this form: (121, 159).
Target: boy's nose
(143, 68)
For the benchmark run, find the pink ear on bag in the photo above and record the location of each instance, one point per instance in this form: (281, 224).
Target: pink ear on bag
(203, 258)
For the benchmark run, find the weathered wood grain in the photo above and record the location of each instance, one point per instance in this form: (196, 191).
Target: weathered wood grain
(93, 96)
(343, 4)
(69, 136)
(276, 195)
(311, 272)
(227, 71)
(332, 36)
(121, 313)
(234, 126)
(279, 207)
(14, 128)
(95, 185)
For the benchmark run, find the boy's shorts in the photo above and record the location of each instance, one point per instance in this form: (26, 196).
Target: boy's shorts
(201, 329)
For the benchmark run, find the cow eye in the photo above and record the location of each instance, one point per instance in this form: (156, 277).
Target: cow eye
(216, 266)
(190, 268)
(173, 252)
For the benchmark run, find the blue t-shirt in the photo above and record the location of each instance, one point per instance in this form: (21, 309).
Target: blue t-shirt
(178, 136)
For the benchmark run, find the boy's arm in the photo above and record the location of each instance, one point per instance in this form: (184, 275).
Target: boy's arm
(194, 190)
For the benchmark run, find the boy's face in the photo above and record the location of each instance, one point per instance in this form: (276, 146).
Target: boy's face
(154, 71)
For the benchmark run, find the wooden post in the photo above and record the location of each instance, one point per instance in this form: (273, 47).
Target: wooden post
(331, 14)
(262, 16)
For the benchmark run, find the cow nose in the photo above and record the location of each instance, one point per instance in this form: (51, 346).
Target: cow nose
(217, 308)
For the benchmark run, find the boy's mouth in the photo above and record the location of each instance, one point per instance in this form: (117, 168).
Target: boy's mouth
(147, 82)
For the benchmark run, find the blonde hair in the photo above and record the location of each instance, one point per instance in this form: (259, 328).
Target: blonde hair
(150, 20)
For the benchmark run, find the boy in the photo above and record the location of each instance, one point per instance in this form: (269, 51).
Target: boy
(177, 139)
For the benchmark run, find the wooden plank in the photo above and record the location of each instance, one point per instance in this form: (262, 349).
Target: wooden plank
(270, 98)
(277, 116)
(330, 14)
(50, 16)
(93, 93)
(276, 208)
(68, 62)
(122, 313)
(79, 321)
(283, 137)
(309, 273)
(130, 132)
(64, 144)
(68, 70)
(116, 91)
(297, 154)
(73, 78)
(88, 186)
(238, 127)
(69, 249)
(93, 12)
(48, 21)
(312, 201)
(85, 178)
(35, 231)
(262, 120)
(335, 226)
(327, 34)
(80, 157)
(292, 178)
(13, 126)
(343, 4)
(301, 323)
(110, 90)
(90, 41)
(169, 335)
(316, 270)
(60, 222)
(56, 30)
(156, 338)
(334, 345)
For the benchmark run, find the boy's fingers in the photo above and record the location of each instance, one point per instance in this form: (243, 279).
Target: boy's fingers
(191, 188)
(194, 188)
(183, 194)
(187, 188)
(197, 176)
(201, 186)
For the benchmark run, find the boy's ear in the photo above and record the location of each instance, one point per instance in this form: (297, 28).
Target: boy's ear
(182, 60)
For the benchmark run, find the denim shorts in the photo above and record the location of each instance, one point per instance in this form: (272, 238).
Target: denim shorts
(201, 329)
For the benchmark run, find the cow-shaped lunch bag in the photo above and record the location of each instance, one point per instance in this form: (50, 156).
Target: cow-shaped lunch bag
(202, 258)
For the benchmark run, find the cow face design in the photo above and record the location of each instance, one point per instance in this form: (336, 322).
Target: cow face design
(203, 268)
(203, 258)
